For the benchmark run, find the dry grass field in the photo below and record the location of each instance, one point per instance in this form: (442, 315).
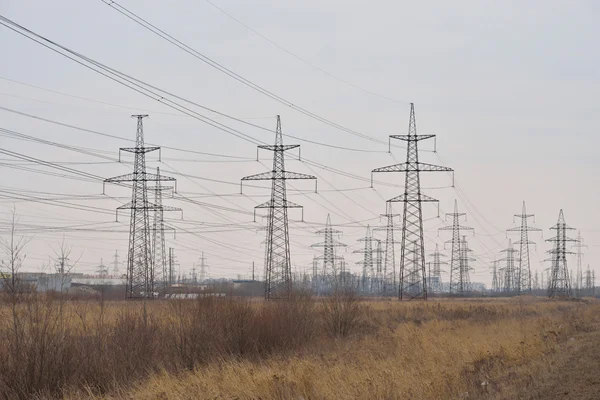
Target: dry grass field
(342, 348)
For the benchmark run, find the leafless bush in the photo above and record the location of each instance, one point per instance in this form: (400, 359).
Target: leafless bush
(342, 312)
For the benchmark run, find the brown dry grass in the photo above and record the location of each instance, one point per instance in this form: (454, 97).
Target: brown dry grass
(235, 349)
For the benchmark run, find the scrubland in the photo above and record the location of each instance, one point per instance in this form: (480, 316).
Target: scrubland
(305, 348)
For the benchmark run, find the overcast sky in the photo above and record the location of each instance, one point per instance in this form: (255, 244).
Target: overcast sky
(511, 89)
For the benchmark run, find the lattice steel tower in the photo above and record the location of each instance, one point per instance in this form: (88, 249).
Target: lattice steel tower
(159, 252)
(511, 277)
(458, 280)
(330, 261)
(367, 263)
(140, 274)
(523, 272)
(389, 278)
(412, 221)
(278, 266)
(436, 276)
(464, 266)
(559, 285)
(579, 245)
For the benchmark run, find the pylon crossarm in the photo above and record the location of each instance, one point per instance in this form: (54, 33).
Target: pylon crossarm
(410, 197)
(414, 138)
(138, 149)
(296, 175)
(278, 147)
(413, 167)
(263, 176)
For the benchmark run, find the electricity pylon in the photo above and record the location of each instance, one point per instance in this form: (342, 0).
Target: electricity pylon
(140, 274)
(511, 277)
(436, 276)
(464, 266)
(203, 269)
(559, 273)
(523, 272)
(278, 265)
(159, 253)
(579, 245)
(367, 262)
(495, 282)
(412, 221)
(330, 272)
(389, 280)
(458, 279)
(589, 282)
(116, 263)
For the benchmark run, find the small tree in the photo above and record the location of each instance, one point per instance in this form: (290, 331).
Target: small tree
(13, 257)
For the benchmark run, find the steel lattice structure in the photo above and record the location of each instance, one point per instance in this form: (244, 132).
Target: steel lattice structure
(159, 253)
(579, 245)
(412, 221)
(458, 279)
(436, 276)
(495, 280)
(464, 266)
(140, 273)
(278, 270)
(388, 274)
(330, 274)
(511, 276)
(523, 272)
(559, 284)
(367, 262)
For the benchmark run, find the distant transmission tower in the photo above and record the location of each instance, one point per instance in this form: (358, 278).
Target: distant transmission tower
(579, 245)
(495, 281)
(159, 254)
(367, 263)
(523, 274)
(589, 282)
(203, 269)
(389, 278)
(412, 221)
(436, 276)
(458, 280)
(465, 268)
(330, 261)
(278, 266)
(140, 274)
(559, 285)
(116, 263)
(536, 281)
(511, 278)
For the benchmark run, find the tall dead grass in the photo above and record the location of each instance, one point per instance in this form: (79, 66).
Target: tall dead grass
(336, 348)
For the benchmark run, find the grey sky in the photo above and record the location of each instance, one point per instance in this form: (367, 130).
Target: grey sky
(510, 88)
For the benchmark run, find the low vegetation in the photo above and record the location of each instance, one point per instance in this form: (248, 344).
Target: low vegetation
(305, 348)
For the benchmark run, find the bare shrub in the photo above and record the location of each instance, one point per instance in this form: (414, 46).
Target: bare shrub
(342, 312)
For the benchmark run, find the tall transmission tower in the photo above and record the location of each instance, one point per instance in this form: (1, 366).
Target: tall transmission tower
(412, 221)
(203, 269)
(159, 254)
(436, 277)
(465, 268)
(579, 245)
(367, 262)
(559, 285)
(278, 267)
(511, 277)
(458, 280)
(523, 273)
(495, 281)
(589, 282)
(140, 271)
(116, 263)
(331, 271)
(389, 278)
